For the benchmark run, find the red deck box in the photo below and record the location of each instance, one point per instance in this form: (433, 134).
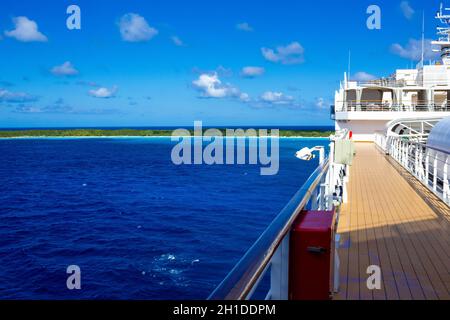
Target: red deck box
(311, 256)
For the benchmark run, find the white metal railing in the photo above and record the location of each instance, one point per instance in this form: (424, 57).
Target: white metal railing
(383, 106)
(417, 80)
(269, 255)
(385, 82)
(381, 141)
(427, 164)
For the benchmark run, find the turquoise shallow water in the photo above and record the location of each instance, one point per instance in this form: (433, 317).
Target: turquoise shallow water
(138, 226)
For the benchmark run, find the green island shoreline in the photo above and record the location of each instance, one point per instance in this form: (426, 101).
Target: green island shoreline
(138, 133)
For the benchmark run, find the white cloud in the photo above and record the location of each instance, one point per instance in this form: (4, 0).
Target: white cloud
(322, 103)
(177, 41)
(27, 109)
(103, 92)
(244, 97)
(66, 69)
(290, 54)
(210, 86)
(276, 98)
(220, 70)
(413, 50)
(244, 26)
(58, 106)
(16, 97)
(223, 71)
(135, 28)
(26, 30)
(363, 76)
(408, 12)
(87, 83)
(252, 72)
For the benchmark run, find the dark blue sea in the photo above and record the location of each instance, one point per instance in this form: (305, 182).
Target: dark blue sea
(138, 226)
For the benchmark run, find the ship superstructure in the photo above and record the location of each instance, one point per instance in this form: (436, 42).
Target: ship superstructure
(366, 107)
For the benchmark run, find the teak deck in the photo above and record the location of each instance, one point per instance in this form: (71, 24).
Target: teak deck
(387, 223)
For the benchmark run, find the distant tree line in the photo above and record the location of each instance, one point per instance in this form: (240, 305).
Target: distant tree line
(134, 133)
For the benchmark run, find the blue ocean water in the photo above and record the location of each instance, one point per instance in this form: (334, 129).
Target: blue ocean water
(138, 226)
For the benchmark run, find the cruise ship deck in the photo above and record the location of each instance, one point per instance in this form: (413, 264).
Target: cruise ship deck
(392, 221)
(391, 200)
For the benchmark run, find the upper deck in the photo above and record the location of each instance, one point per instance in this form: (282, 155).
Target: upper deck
(408, 91)
(364, 104)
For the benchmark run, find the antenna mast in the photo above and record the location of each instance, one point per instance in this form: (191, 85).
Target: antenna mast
(349, 63)
(423, 38)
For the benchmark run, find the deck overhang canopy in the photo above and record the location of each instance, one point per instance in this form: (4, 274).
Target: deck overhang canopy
(411, 127)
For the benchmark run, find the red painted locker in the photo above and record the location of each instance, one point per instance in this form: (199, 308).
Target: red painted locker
(311, 256)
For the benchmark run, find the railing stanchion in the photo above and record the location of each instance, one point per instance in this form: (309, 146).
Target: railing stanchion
(427, 167)
(435, 171)
(416, 160)
(279, 277)
(445, 178)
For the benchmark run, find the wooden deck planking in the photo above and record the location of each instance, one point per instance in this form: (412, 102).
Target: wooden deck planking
(425, 244)
(418, 273)
(407, 282)
(387, 223)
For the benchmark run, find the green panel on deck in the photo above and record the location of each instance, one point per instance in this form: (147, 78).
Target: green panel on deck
(344, 150)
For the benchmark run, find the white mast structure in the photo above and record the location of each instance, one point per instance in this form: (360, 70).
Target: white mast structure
(443, 42)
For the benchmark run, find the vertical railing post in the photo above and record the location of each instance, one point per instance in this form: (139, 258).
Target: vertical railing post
(402, 148)
(445, 178)
(322, 196)
(401, 151)
(394, 146)
(427, 167)
(313, 202)
(279, 273)
(416, 160)
(421, 173)
(407, 155)
(331, 176)
(435, 171)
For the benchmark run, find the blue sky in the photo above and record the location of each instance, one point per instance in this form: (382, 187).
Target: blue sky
(168, 63)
